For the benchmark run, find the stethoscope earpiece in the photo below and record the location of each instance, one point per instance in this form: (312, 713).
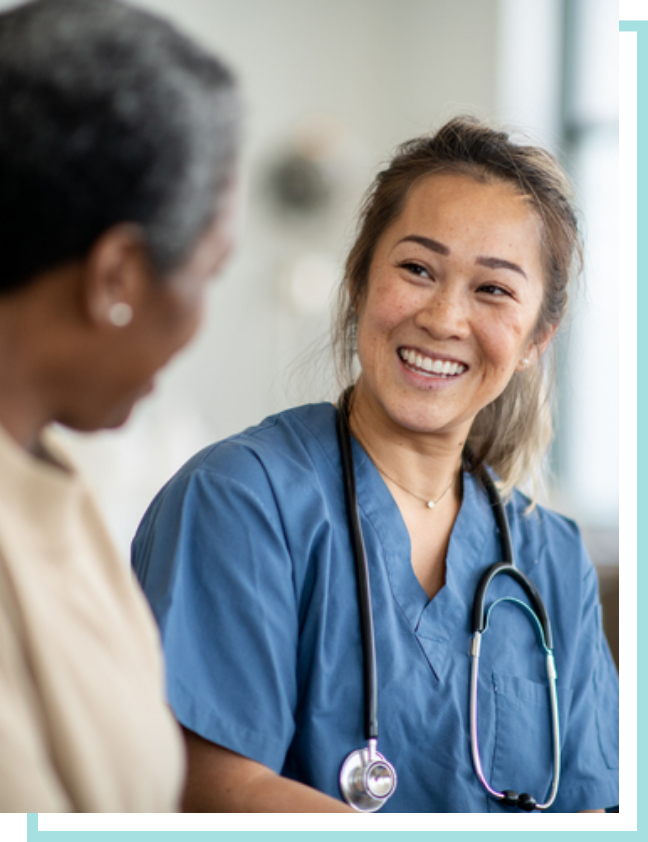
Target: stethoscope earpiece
(524, 801)
(367, 779)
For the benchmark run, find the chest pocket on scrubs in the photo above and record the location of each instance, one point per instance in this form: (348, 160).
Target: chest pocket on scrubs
(522, 755)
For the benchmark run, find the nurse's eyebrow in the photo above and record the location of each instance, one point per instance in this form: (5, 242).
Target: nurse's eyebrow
(499, 263)
(439, 248)
(427, 243)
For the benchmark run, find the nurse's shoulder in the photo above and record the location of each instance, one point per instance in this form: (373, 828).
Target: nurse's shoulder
(543, 537)
(549, 548)
(276, 471)
(265, 456)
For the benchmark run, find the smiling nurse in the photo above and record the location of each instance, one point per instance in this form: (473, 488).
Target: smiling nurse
(453, 299)
(453, 292)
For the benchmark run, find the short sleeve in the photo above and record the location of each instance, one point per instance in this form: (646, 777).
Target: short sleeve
(214, 564)
(590, 752)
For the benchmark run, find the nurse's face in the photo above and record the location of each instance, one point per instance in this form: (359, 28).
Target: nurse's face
(452, 300)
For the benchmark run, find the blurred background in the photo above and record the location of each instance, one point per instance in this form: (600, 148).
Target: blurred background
(331, 87)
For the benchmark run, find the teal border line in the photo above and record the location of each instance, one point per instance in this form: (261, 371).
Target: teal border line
(243, 836)
(641, 28)
(635, 42)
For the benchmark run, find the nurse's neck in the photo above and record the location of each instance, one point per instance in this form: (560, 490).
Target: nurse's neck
(404, 445)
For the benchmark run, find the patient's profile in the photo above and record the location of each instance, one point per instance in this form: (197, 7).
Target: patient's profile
(118, 146)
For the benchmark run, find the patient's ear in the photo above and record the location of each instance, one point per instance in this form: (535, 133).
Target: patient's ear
(116, 273)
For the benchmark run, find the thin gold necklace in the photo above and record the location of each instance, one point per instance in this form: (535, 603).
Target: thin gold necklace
(428, 501)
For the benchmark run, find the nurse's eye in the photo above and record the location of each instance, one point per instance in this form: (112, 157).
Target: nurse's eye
(494, 289)
(416, 269)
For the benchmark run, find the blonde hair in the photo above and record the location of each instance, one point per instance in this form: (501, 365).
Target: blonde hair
(512, 433)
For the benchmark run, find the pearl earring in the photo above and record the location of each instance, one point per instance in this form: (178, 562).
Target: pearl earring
(525, 362)
(120, 314)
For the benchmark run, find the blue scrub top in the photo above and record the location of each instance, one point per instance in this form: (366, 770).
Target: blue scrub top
(246, 560)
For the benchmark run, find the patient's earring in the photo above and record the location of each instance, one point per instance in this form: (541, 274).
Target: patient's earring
(120, 314)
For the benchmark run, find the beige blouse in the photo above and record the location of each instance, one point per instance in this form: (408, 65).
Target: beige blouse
(83, 722)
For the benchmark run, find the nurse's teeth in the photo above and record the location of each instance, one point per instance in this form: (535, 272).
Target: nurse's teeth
(441, 367)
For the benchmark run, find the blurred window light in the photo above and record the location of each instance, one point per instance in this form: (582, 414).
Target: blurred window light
(588, 444)
(530, 62)
(558, 84)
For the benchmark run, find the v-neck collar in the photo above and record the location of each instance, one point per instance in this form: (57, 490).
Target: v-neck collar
(434, 621)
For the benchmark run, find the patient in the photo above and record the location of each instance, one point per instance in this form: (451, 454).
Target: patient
(118, 145)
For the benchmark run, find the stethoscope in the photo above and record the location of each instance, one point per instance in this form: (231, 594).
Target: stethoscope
(367, 779)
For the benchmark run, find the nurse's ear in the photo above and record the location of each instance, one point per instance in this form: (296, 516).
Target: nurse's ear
(537, 348)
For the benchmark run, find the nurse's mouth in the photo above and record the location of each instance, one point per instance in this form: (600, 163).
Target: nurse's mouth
(429, 367)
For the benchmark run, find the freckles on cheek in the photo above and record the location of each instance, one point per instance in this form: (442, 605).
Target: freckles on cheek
(504, 340)
(387, 302)
(401, 304)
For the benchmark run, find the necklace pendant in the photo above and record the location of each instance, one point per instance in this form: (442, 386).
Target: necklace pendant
(430, 504)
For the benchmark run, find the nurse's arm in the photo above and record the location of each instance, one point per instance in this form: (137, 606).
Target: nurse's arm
(220, 781)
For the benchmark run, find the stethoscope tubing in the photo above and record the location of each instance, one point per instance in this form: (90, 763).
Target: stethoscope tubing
(506, 566)
(370, 673)
(479, 623)
(475, 647)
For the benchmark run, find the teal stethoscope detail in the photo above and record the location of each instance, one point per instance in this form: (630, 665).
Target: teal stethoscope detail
(367, 779)
(537, 624)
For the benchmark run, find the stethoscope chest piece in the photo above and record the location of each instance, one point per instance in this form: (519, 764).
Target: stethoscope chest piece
(367, 779)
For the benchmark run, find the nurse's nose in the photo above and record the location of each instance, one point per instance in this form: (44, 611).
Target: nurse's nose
(444, 314)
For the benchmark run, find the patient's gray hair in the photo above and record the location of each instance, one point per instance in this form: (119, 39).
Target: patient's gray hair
(108, 114)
